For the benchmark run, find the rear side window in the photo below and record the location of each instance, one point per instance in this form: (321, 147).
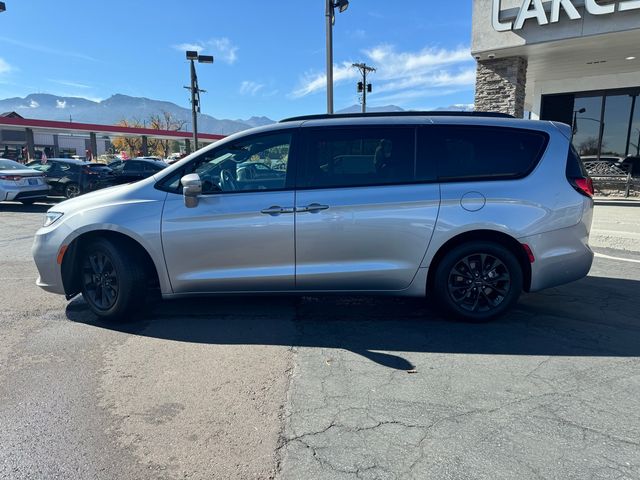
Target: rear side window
(358, 156)
(476, 152)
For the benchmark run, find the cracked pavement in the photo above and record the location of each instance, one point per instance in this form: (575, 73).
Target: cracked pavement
(320, 387)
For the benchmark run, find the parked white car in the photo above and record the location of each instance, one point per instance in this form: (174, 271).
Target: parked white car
(20, 183)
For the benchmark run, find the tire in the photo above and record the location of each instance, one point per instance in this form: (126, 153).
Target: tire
(113, 282)
(72, 190)
(477, 281)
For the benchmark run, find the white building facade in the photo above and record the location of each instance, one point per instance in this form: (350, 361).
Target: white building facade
(574, 61)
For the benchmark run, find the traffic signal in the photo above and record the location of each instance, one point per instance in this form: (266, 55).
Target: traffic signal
(369, 88)
(360, 87)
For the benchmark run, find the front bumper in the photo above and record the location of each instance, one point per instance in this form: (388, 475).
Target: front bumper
(46, 247)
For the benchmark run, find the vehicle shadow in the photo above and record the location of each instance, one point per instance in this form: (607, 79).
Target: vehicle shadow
(593, 317)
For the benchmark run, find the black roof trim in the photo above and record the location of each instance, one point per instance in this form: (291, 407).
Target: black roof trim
(439, 113)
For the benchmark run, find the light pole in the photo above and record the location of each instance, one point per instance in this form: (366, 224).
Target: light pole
(574, 127)
(363, 86)
(193, 56)
(330, 14)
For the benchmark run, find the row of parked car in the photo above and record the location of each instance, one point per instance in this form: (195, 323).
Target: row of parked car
(69, 177)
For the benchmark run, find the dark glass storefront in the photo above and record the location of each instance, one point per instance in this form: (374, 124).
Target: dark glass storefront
(605, 124)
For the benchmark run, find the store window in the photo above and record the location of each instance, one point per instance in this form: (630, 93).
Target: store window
(633, 147)
(617, 112)
(586, 125)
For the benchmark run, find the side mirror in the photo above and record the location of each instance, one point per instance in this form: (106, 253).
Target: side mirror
(191, 188)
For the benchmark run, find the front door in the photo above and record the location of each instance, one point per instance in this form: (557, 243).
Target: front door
(365, 212)
(240, 237)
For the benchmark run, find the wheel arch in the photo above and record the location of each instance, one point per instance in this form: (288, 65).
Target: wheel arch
(500, 238)
(71, 258)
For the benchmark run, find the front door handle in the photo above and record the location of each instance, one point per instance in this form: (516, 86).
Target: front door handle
(313, 208)
(276, 210)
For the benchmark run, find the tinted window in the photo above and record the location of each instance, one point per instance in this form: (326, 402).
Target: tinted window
(470, 152)
(358, 156)
(224, 169)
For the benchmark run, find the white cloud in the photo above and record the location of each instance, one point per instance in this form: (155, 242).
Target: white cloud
(68, 83)
(314, 82)
(402, 76)
(221, 48)
(33, 104)
(61, 103)
(250, 88)
(4, 67)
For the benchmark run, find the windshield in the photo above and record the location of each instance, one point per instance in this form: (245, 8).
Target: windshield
(11, 165)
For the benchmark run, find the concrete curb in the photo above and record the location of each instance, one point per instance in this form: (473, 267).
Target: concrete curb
(617, 202)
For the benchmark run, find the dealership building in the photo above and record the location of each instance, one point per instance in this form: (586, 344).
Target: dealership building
(574, 61)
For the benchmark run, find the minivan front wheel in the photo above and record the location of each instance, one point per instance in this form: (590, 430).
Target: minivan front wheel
(112, 280)
(478, 281)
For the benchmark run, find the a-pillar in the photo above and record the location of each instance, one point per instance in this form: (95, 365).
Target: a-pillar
(31, 146)
(145, 146)
(187, 146)
(501, 85)
(93, 145)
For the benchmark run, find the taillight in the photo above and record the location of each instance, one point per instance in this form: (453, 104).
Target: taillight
(583, 186)
(12, 178)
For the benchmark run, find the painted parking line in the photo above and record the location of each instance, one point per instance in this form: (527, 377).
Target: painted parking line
(608, 257)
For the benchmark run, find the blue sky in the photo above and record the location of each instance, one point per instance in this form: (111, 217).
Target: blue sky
(270, 56)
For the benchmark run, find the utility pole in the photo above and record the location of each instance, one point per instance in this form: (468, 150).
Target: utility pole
(330, 18)
(193, 56)
(363, 86)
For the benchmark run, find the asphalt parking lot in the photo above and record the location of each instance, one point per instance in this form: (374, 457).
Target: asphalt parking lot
(323, 388)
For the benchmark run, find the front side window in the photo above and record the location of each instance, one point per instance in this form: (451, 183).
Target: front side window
(233, 167)
(343, 157)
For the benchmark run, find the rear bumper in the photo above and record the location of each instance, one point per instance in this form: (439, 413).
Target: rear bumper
(25, 193)
(561, 256)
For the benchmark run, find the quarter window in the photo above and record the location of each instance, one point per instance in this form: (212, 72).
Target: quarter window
(476, 152)
(358, 156)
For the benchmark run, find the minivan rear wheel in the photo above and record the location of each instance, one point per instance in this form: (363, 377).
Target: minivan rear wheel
(478, 281)
(113, 282)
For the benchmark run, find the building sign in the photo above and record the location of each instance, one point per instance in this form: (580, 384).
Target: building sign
(549, 11)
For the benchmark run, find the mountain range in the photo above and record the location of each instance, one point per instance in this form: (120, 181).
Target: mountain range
(120, 107)
(116, 108)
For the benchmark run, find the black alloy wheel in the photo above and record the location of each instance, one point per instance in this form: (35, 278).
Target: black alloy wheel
(113, 281)
(100, 280)
(72, 190)
(478, 281)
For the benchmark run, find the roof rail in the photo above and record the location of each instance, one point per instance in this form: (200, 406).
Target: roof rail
(439, 113)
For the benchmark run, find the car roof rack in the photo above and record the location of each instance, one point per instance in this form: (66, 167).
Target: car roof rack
(438, 113)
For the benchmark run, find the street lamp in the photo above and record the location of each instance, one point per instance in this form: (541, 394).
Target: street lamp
(330, 14)
(193, 56)
(575, 119)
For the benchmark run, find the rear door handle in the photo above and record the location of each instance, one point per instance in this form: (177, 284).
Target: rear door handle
(276, 210)
(313, 208)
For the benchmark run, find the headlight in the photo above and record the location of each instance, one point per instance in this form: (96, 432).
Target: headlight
(51, 217)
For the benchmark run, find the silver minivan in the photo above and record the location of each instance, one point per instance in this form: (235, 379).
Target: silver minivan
(468, 209)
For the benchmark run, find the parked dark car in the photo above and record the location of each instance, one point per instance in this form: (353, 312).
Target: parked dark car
(70, 177)
(257, 170)
(127, 171)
